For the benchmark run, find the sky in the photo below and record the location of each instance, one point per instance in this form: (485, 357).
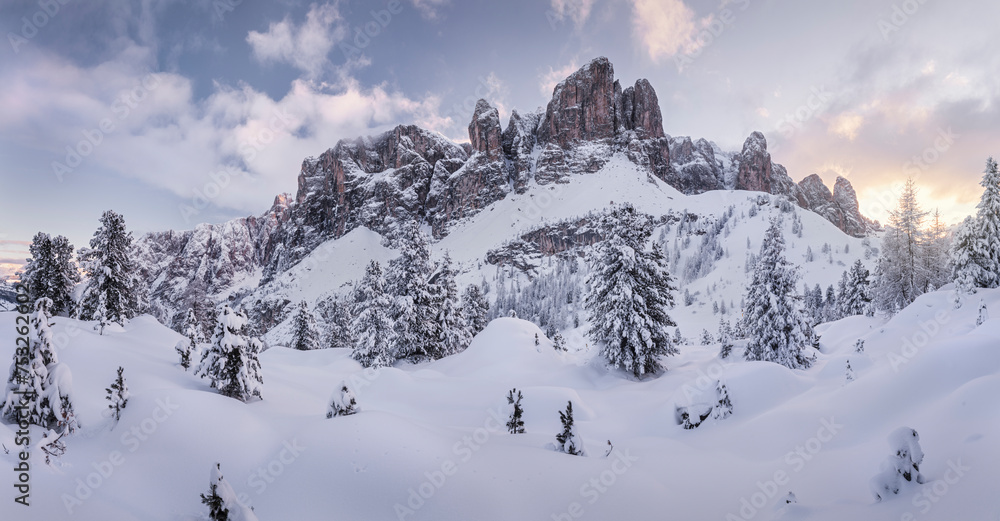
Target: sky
(177, 112)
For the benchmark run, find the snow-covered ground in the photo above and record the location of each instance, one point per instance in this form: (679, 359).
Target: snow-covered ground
(429, 444)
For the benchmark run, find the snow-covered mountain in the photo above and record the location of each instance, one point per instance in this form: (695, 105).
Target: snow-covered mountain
(590, 131)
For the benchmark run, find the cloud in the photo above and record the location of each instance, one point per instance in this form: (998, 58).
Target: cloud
(548, 81)
(305, 46)
(846, 125)
(430, 9)
(166, 137)
(576, 10)
(666, 27)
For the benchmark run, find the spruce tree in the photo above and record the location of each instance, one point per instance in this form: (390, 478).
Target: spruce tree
(231, 362)
(413, 310)
(51, 272)
(515, 425)
(305, 334)
(118, 395)
(856, 297)
(630, 293)
(373, 331)
(222, 501)
(189, 347)
(453, 328)
(337, 317)
(113, 281)
(976, 252)
(476, 308)
(774, 321)
(568, 440)
(725, 339)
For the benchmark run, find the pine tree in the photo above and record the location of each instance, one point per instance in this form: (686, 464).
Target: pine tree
(856, 298)
(568, 440)
(935, 254)
(305, 334)
(189, 347)
(777, 326)
(976, 252)
(413, 310)
(453, 328)
(984, 314)
(900, 275)
(337, 316)
(515, 425)
(231, 363)
(850, 372)
(373, 329)
(343, 402)
(222, 502)
(113, 280)
(630, 293)
(118, 395)
(476, 308)
(723, 407)
(902, 468)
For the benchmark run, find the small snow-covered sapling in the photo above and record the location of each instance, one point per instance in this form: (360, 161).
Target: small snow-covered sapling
(516, 424)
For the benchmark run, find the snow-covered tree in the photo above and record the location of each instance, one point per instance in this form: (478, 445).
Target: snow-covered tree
(778, 328)
(231, 362)
(856, 298)
(476, 308)
(849, 375)
(414, 311)
(630, 293)
(51, 272)
(568, 440)
(118, 395)
(222, 501)
(725, 339)
(515, 425)
(305, 333)
(976, 252)
(901, 275)
(706, 338)
(901, 470)
(343, 402)
(724, 405)
(453, 328)
(39, 388)
(984, 314)
(113, 282)
(859, 346)
(934, 253)
(337, 316)
(373, 331)
(188, 348)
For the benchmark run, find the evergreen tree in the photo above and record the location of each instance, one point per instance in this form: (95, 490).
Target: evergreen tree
(51, 272)
(337, 316)
(777, 326)
(630, 293)
(305, 334)
(568, 440)
(902, 468)
(515, 425)
(343, 402)
(113, 281)
(476, 308)
(726, 339)
(189, 347)
(856, 298)
(900, 275)
(373, 329)
(413, 310)
(222, 502)
(231, 363)
(118, 395)
(976, 252)
(850, 372)
(453, 328)
(935, 254)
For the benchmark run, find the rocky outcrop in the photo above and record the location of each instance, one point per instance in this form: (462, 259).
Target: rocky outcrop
(853, 223)
(485, 132)
(695, 167)
(582, 107)
(518, 142)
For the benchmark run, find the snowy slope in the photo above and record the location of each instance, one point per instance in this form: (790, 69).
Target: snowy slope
(338, 262)
(430, 429)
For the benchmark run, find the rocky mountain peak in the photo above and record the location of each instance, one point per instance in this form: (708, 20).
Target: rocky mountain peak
(485, 132)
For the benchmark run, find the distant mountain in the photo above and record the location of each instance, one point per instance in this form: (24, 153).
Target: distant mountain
(409, 173)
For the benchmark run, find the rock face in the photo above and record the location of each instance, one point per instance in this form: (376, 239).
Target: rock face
(409, 173)
(756, 172)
